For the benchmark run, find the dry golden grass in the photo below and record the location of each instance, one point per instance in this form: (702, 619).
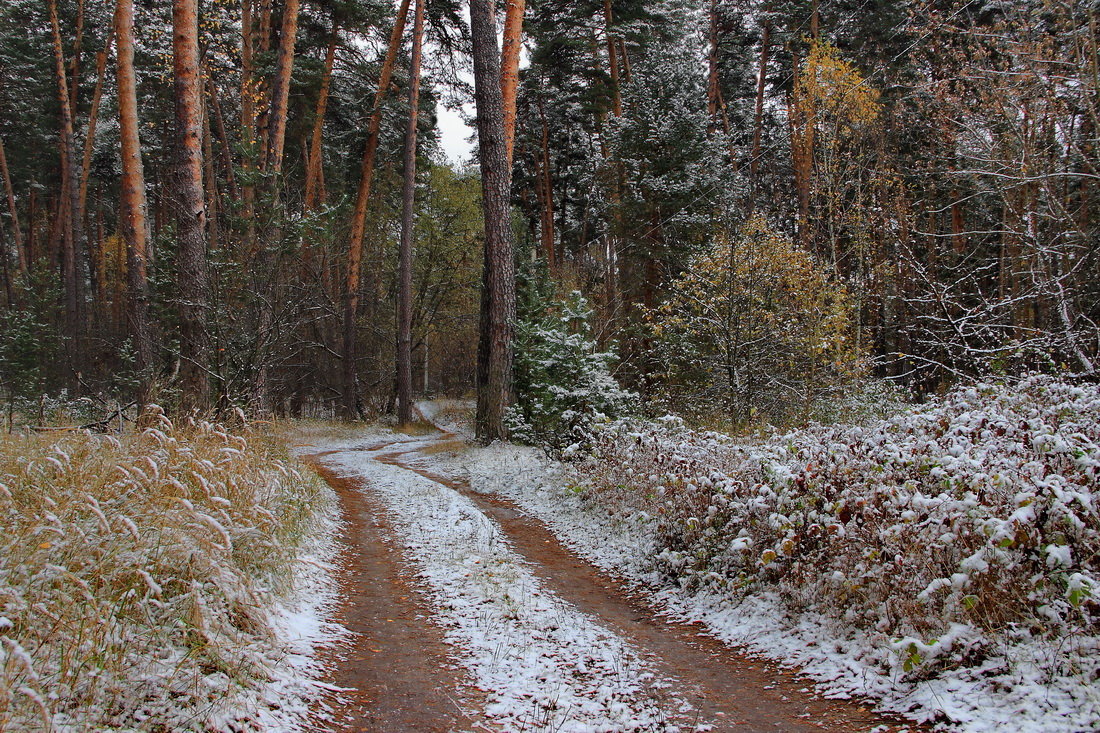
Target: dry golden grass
(137, 573)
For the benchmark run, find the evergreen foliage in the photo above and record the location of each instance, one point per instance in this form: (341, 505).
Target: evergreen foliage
(939, 157)
(563, 386)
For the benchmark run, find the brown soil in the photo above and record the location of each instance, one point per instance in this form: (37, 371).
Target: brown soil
(405, 682)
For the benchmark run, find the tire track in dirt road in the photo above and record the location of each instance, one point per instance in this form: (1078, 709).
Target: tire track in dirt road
(732, 691)
(735, 692)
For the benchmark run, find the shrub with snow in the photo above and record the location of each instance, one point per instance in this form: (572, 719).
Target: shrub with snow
(950, 533)
(562, 382)
(139, 575)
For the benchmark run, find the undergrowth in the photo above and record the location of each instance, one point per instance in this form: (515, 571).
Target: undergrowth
(952, 531)
(138, 573)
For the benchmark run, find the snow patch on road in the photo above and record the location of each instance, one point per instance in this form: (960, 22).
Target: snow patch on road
(543, 664)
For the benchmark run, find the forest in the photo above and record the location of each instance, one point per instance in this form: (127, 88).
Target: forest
(738, 373)
(741, 209)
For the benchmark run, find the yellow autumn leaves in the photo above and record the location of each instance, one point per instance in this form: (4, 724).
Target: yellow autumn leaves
(830, 91)
(771, 329)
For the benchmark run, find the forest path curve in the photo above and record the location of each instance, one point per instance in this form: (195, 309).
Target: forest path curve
(712, 686)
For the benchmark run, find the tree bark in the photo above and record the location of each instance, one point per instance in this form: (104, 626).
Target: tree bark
(213, 203)
(32, 227)
(5, 269)
(93, 120)
(498, 300)
(69, 203)
(545, 185)
(132, 204)
(509, 71)
(191, 276)
(17, 233)
(95, 260)
(265, 25)
(225, 150)
(405, 255)
(74, 61)
(314, 174)
(612, 61)
(359, 220)
(280, 90)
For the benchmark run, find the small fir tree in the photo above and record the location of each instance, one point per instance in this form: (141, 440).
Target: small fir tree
(562, 381)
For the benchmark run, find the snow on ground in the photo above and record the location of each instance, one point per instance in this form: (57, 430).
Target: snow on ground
(1019, 694)
(449, 414)
(543, 664)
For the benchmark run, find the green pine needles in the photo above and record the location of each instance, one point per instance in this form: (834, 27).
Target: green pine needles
(563, 386)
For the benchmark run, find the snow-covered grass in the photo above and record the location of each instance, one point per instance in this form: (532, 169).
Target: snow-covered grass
(543, 665)
(172, 579)
(945, 561)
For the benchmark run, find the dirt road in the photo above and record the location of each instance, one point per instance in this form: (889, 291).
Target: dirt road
(419, 663)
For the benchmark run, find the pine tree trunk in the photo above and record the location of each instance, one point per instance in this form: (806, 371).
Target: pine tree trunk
(612, 61)
(545, 185)
(32, 227)
(213, 203)
(191, 277)
(225, 150)
(509, 70)
(405, 255)
(98, 270)
(72, 238)
(359, 221)
(93, 120)
(280, 90)
(265, 25)
(132, 203)
(498, 301)
(624, 61)
(5, 269)
(314, 174)
(17, 234)
(74, 61)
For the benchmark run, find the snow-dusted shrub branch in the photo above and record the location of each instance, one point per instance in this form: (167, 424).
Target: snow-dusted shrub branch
(139, 576)
(950, 533)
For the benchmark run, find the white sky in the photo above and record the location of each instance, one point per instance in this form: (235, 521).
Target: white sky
(455, 136)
